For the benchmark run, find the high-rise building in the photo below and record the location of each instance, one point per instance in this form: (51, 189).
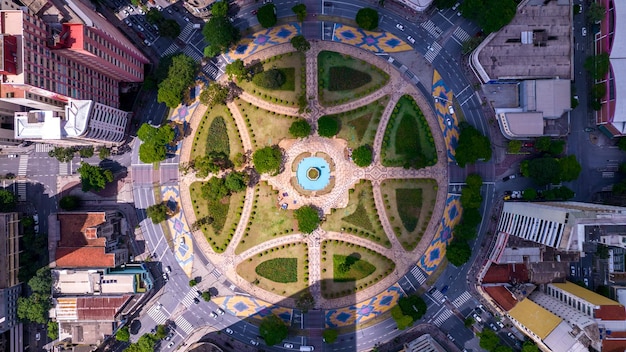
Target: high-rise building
(10, 287)
(67, 52)
(561, 225)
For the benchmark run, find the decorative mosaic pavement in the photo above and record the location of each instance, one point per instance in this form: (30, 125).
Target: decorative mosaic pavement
(435, 252)
(182, 115)
(263, 40)
(244, 306)
(183, 245)
(447, 122)
(365, 310)
(377, 42)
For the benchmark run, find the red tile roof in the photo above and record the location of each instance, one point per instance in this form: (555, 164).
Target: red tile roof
(100, 308)
(75, 248)
(613, 345)
(505, 273)
(502, 296)
(611, 313)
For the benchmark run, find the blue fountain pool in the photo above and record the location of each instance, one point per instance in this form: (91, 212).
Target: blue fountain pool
(307, 170)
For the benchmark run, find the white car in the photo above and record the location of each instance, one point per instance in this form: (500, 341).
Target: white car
(477, 318)
(140, 11)
(451, 110)
(254, 342)
(456, 6)
(410, 39)
(584, 30)
(213, 315)
(586, 281)
(170, 345)
(287, 345)
(499, 323)
(220, 311)
(229, 331)
(128, 23)
(400, 27)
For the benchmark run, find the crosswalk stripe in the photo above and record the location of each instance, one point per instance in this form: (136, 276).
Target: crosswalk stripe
(432, 28)
(170, 50)
(43, 148)
(158, 316)
(188, 299)
(23, 165)
(432, 53)
(186, 32)
(194, 54)
(63, 168)
(459, 301)
(21, 190)
(461, 34)
(441, 318)
(183, 324)
(438, 296)
(419, 276)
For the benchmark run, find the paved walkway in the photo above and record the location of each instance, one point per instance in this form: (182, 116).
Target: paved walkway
(346, 175)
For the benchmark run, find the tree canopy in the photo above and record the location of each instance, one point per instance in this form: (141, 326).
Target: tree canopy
(214, 189)
(267, 160)
(236, 181)
(123, 334)
(598, 65)
(154, 140)
(219, 9)
(34, 308)
(362, 155)
(595, 12)
(300, 128)
(327, 126)
(547, 170)
(308, 219)
(181, 75)
(300, 11)
(367, 18)
(300, 43)
(472, 146)
(267, 15)
(157, 213)
(408, 310)
(489, 340)
(169, 28)
(94, 177)
(458, 252)
(220, 34)
(145, 344)
(69, 203)
(270, 79)
(491, 15)
(273, 330)
(7, 201)
(330, 335)
(237, 69)
(214, 94)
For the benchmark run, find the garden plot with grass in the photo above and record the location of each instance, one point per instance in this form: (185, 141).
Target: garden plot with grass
(409, 205)
(217, 132)
(266, 128)
(358, 126)
(348, 268)
(360, 217)
(282, 270)
(223, 216)
(280, 79)
(343, 78)
(267, 219)
(408, 141)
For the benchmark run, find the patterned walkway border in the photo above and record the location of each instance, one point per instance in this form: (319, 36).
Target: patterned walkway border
(378, 42)
(263, 40)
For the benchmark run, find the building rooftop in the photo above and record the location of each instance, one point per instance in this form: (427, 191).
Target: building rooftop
(502, 296)
(89, 308)
(611, 313)
(78, 245)
(503, 273)
(537, 319)
(87, 282)
(585, 294)
(54, 125)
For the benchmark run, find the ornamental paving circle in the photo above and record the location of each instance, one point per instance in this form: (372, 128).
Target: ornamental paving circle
(380, 297)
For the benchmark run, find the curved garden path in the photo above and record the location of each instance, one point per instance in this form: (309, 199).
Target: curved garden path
(376, 173)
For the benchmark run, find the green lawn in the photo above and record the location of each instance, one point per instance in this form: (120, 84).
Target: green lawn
(266, 128)
(292, 256)
(293, 66)
(343, 78)
(370, 268)
(358, 126)
(267, 220)
(408, 140)
(358, 270)
(210, 134)
(409, 207)
(360, 217)
(282, 270)
(225, 214)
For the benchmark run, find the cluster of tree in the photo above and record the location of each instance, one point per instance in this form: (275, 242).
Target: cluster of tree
(596, 12)
(362, 156)
(300, 128)
(217, 188)
(147, 342)
(308, 219)
(86, 152)
(270, 79)
(7, 201)
(330, 335)
(367, 18)
(557, 193)
(273, 330)
(300, 11)
(300, 43)
(152, 81)
(327, 126)
(35, 307)
(123, 334)
(548, 146)
(459, 250)
(219, 32)
(213, 162)
(104, 153)
(63, 155)
(167, 28)
(155, 140)
(472, 146)
(546, 170)
(214, 94)
(53, 330)
(33, 250)
(267, 160)
(237, 70)
(69, 203)
(490, 15)
(94, 178)
(157, 212)
(490, 341)
(180, 76)
(267, 15)
(408, 310)
(203, 221)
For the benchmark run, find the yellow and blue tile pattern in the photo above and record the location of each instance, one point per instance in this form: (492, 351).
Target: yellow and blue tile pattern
(448, 123)
(245, 306)
(263, 39)
(378, 42)
(435, 252)
(360, 312)
(183, 244)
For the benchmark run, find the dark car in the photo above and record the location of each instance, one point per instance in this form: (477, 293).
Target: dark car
(432, 290)
(510, 177)
(444, 289)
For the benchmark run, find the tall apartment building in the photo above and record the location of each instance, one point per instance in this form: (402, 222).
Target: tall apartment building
(561, 225)
(9, 283)
(67, 52)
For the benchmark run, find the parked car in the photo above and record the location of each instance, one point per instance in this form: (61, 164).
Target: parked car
(477, 318)
(586, 280)
(220, 311)
(493, 327)
(170, 345)
(254, 342)
(287, 345)
(451, 110)
(456, 6)
(510, 177)
(213, 315)
(499, 323)
(168, 269)
(450, 338)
